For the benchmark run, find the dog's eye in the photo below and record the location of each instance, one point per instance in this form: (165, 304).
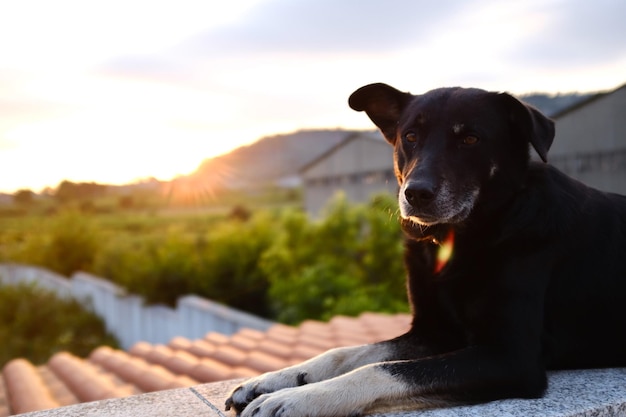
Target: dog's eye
(470, 140)
(410, 136)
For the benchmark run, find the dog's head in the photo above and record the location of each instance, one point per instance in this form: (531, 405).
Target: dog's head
(454, 147)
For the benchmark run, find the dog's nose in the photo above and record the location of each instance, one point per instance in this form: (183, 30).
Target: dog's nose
(419, 193)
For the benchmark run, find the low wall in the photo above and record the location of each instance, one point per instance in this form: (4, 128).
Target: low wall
(126, 315)
(586, 393)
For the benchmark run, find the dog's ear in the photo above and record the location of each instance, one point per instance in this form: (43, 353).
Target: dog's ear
(538, 129)
(383, 104)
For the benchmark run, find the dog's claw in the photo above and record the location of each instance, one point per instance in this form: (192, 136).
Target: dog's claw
(241, 397)
(229, 403)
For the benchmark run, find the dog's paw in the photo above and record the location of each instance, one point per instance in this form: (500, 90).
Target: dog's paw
(277, 404)
(308, 401)
(245, 393)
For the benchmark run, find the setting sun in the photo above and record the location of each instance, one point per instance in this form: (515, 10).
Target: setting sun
(124, 130)
(113, 92)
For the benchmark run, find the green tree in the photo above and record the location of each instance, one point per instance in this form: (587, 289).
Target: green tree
(69, 191)
(23, 197)
(220, 264)
(318, 270)
(65, 243)
(230, 256)
(159, 268)
(72, 244)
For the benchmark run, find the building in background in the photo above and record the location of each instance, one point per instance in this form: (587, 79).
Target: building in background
(590, 142)
(360, 166)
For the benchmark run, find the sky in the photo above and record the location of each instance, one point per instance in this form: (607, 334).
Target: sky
(119, 90)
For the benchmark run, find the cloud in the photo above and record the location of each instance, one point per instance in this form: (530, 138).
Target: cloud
(158, 67)
(329, 26)
(284, 61)
(292, 42)
(450, 41)
(577, 33)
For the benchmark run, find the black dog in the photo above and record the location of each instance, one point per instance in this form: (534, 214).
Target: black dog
(513, 268)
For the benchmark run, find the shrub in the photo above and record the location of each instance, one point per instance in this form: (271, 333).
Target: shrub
(349, 262)
(73, 244)
(65, 243)
(280, 265)
(229, 257)
(159, 268)
(35, 324)
(220, 263)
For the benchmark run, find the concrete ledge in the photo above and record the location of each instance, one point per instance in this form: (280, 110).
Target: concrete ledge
(597, 392)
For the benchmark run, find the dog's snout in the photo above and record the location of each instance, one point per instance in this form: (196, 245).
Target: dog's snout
(419, 193)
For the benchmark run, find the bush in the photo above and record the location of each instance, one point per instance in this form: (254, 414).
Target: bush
(159, 268)
(73, 244)
(349, 262)
(35, 324)
(230, 258)
(65, 243)
(220, 264)
(280, 265)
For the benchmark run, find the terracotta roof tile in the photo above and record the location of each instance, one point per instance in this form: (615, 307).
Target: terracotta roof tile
(314, 327)
(229, 355)
(202, 348)
(243, 372)
(262, 362)
(85, 380)
(61, 393)
(216, 338)
(244, 342)
(210, 370)
(67, 379)
(166, 371)
(26, 390)
(140, 349)
(159, 354)
(157, 378)
(181, 362)
(282, 331)
(143, 375)
(322, 342)
(179, 343)
(276, 349)
(282, 337)
(252, 333)
(302, 352)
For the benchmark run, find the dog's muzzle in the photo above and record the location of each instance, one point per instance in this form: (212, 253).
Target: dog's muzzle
(428, 204)
(416, 199)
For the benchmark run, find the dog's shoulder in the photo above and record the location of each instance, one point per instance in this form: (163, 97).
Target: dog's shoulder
(552, 205)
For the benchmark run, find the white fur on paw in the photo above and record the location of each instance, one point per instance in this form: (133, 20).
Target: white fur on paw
(305, 401)
(263, 384)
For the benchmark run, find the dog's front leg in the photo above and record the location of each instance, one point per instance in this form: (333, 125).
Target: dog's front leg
(350, 394)
(327, 365)
(473, 374)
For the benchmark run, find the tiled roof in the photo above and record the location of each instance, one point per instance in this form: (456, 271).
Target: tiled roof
(109, 373)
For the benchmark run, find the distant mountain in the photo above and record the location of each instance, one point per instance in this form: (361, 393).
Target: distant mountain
(271, 159)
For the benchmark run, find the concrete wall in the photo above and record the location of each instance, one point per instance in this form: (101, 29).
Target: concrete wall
(127, 317)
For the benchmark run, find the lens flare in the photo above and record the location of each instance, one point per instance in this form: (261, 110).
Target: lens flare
(444, 252)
